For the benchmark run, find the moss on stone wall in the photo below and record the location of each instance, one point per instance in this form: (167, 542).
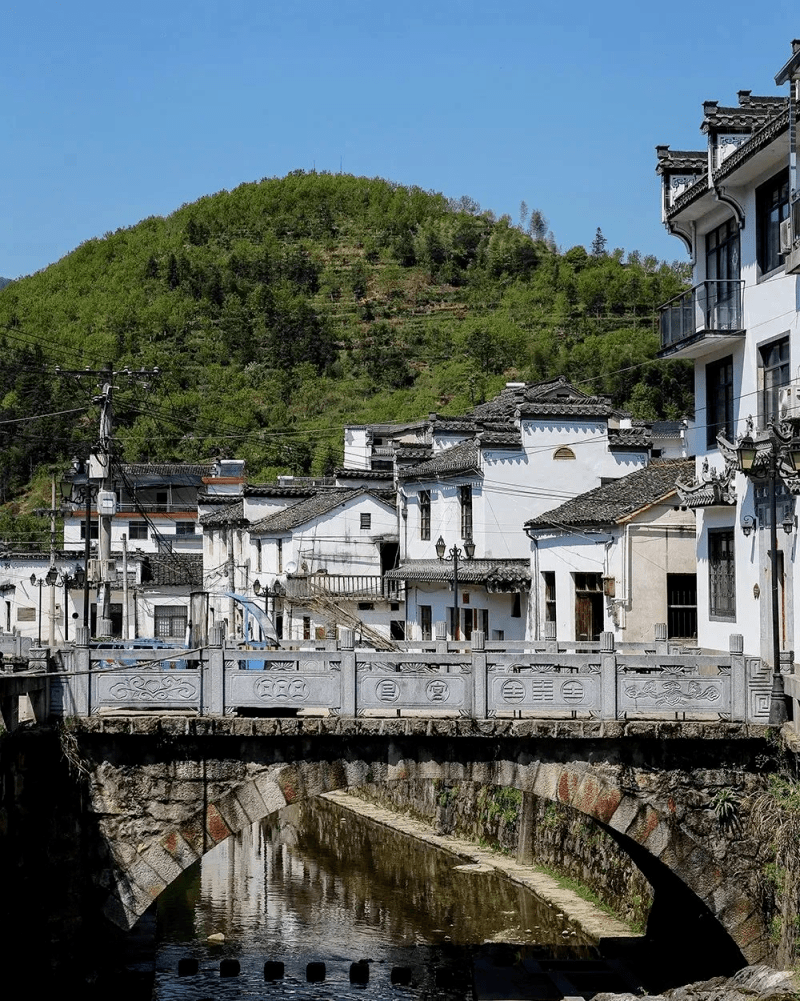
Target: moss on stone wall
(560, 839)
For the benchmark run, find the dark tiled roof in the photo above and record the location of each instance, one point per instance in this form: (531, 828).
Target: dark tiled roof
(637, 439)
(753, 113)
(278, 490)
(362, 474)
(214, 499)
(173, 569)
(494, 574)
(455, 425)
(667, 429)
(233, 514)
(460, 458)
(681, 160)
(759, 140)
(413, 453)
(169, 470)
(615, 501)
(313, 507)
(500, 439)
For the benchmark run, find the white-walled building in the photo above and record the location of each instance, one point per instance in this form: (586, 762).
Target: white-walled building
(734, 204)
(618, 558)
(531, 447)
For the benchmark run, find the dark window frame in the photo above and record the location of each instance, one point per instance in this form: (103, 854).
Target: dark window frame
(465, 501)
(424, 501)
(719, 400)
(138, 531)
(365, 521)
(721, 575)
(772, 208)
(774, 374)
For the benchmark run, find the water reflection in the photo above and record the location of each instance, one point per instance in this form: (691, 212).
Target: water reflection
(319, 883)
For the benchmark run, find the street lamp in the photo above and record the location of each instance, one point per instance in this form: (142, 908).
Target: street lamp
(263, 589)
(77, 578)
(49, 578)
(455, 554)
(767, 455)
(80, 489)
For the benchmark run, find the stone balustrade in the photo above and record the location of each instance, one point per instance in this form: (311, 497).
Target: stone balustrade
(473, 679)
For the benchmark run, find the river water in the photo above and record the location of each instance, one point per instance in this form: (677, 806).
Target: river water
(317, 883)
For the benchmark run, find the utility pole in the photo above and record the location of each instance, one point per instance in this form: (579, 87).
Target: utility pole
(106, 496)
(106, 507)
(51, 637)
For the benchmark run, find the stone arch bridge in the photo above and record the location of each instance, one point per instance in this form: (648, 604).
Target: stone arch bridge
(163, 791)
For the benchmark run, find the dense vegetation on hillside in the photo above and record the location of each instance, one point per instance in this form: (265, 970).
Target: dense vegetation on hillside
(283, 309)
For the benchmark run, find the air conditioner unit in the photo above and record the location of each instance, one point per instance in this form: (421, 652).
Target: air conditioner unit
(101, 570)
(786, 236)
(789, 402)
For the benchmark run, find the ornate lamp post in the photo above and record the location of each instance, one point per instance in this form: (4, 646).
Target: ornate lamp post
(49, 578)
(77, 578)
(767, 456)
(455, 554)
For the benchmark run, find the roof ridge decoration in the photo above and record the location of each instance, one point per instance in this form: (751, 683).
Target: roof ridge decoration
(712, 488)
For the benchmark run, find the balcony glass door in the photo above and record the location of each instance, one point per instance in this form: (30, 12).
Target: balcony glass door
(722, 276)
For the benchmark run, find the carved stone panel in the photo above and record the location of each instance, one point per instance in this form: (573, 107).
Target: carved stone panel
(165, 689)
(674, 694)
(544, 692)
(407, 691)
(274, 689)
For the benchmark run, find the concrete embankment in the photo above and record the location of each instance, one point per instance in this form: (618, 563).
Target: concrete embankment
(593, 920)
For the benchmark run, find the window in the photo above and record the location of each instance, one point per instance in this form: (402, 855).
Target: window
(137, 530)
(94, 530)
(425, 621)
(721, 575)
(774, 375)
(465, 497)
(516, 605)
(424, 514)
(258, 554)
(279, 545)
(468, 620)
(722, 272)
(397, 629)
(565, 452)
(682, 605)
(170, 620)
(549, 579)
(306, 627)
(772, 207)
(162, 498)
(366, 522)
(719, 400)
(184, 528)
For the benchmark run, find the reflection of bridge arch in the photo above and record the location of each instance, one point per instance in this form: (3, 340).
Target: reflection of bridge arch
(169, 791)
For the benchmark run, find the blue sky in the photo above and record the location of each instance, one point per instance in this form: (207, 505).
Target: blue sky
(115, 112)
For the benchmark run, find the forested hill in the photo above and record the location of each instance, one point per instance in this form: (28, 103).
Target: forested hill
(281, 310)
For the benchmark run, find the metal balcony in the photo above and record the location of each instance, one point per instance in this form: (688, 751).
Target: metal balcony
(358, 587)
(694, 322)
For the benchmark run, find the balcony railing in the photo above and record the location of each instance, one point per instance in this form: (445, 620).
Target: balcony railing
(358, 587)
(712, 307)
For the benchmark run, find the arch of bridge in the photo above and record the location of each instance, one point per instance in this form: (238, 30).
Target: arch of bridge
(152, 846)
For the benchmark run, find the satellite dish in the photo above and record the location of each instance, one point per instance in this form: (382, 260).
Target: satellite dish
(291, 567)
